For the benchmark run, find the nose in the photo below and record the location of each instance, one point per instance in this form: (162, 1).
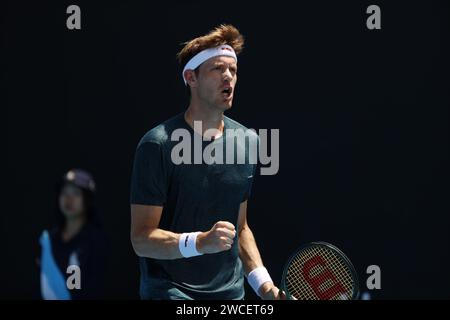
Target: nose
(227, 75)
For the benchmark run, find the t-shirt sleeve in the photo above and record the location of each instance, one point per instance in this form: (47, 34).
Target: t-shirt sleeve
(149, 176)
(248, 191)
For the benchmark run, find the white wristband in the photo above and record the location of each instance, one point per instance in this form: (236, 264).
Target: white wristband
(257, 277)
(186, 244)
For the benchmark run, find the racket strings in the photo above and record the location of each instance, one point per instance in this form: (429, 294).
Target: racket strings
(318, 278)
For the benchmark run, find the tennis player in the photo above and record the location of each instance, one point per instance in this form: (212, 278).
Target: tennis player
(189, 221)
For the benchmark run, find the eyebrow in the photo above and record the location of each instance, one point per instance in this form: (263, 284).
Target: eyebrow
(216, 64)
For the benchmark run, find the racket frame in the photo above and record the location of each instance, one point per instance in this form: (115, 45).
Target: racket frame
(354, 276)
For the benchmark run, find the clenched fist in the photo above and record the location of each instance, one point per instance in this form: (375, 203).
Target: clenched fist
(218, 239)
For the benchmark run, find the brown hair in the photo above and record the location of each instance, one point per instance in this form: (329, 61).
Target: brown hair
(223, 34)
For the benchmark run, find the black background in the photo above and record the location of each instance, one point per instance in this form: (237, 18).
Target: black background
(363, 119)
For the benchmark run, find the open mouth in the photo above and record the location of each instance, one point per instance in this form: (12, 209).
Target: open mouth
(227, 92)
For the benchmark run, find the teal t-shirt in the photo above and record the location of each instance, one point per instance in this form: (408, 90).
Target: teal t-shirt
(194, 197)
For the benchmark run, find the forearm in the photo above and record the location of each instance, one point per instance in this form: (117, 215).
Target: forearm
(251, 259)
(257, 275)
(165, 245)
(248, 250)
(157, 244)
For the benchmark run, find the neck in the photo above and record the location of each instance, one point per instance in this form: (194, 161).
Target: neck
(211, 119)
(73, 226)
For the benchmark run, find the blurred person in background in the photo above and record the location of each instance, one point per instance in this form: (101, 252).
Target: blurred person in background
(76, 239)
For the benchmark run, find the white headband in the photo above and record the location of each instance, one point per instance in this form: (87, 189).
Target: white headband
(202, 56)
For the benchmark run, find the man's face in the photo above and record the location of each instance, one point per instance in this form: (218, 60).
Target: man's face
(216, 81)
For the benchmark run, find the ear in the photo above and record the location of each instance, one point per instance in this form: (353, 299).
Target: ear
(190, 77)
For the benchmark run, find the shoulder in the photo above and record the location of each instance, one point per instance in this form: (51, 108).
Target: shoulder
(54, 233)
(50, 235)
(160, 135)
(234, 125)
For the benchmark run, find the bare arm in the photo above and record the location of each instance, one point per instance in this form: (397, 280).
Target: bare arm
(248, 251)
(147, 239)
(249, 254)
(152, 242)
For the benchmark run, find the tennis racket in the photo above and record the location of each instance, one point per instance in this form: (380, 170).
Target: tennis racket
(319, 271)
